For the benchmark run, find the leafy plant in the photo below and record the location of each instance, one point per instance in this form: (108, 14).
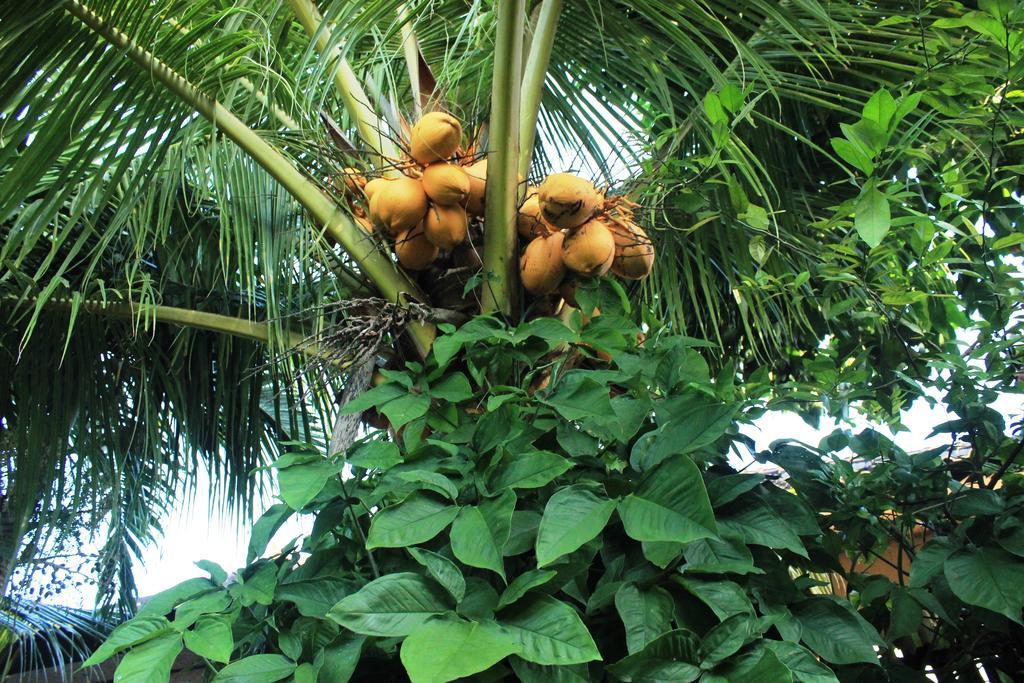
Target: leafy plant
(593, 528)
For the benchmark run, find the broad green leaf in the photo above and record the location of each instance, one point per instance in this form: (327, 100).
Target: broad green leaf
(211, 638)
(479, 533)
(687, 424)
(301, 482)
(417, 519)
(165, 601)
(523, 583)
(722, 490)
(256, 669)
(523, 535)
(551, 330)
(149, 662)
(259, 586)
(265, 528)
(405, 409)
(480, 601)
(929, 561)
(578, 396)
(187, 612)
(132, 632)
(906, 615)
(454, 387)
(376, 455)
(760, 666)
(443, 650)
(646, 614)
(871, 216)
(805, 667)
(392, 605)
(989, 578)
(340, 658)
(314, 597)
(670, 504)
(853, 155)
(673, 657)
(217, 573)
(880, 108)
(726, 639)
(431, 481)
(713, 556)
(833, 632)
(549, 631)
(528, 470)
(661, 553)
(528, 672)
(444, 571)
(759, 524)
(572, 516)
(725, 598)
(374, 398)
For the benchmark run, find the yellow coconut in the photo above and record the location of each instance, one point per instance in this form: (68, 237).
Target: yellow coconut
(446, 226)
(414, 250)
(634, 252)
(435, 137)
(398, 205)
(529, 223)
(590, 249)
(567, 201)
(373, 185)
(353, 179)
(477, 187)
(541, 266)
(446, 184)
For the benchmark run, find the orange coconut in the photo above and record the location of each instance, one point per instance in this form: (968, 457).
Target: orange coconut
(373, 185)
(435, 137)
(590, 249)
(398, 205)
(446, 226)
(567, 201)
(414, 250)
(634, 252)
(541, 266)
(529, 222)
(477, 173)
(446, 184)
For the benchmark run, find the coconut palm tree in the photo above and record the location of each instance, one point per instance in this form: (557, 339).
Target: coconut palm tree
(185, 282)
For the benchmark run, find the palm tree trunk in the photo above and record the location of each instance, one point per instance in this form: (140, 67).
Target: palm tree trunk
(12, 528)
(533, 79)
(502, 165)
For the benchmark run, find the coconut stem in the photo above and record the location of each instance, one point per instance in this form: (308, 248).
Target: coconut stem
(411, 50)
(371, 128)
(146, 315)
(533, 80)
(502, 177)
(387, 278)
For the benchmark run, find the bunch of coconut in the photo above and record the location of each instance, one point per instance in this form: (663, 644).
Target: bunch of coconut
(427, 208)
(572, 230)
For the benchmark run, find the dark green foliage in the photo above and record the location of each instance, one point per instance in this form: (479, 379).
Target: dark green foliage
(551, 536)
